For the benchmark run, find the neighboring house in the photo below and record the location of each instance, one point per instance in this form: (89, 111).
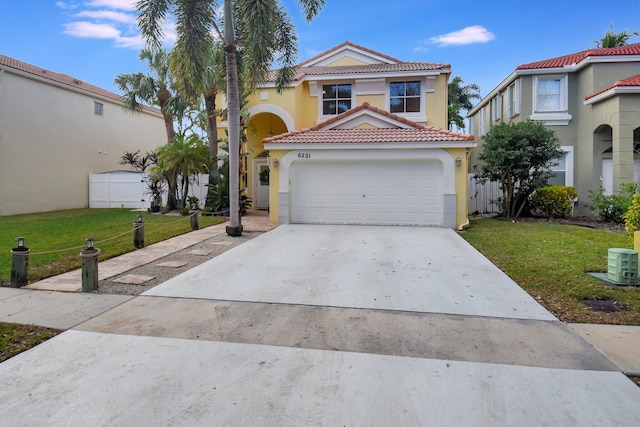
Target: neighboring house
(591, 99)
(357, 139)
(55, 130)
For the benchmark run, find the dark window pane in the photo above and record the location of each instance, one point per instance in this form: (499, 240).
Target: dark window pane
(557, 178)
(397, 89)
(344, 91)
(397, 106)
(413, 105)
(328, 107)
(343, 106)
(328, 91)
(413, 89)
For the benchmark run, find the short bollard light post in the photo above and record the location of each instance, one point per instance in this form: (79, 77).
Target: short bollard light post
(89, 258)
(138, 233)
(19, 264)
(195, 222)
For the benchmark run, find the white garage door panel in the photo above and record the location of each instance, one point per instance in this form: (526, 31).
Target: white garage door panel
(367, 192)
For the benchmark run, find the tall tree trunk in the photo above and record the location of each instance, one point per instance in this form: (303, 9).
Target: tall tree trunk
(212, 116)
(233, 93)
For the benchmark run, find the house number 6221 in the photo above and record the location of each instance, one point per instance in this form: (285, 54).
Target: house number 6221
(304, 155)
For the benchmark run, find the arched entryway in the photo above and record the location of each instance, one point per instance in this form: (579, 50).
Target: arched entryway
(604, 163)
(255, 161)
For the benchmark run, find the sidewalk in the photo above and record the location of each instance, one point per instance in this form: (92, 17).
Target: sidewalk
(72, 280)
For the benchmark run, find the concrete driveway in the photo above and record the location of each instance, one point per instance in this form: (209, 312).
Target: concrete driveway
(324, 325)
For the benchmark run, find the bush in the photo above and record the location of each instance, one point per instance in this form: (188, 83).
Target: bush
(632, 217)
(612, 208)
(554, 200)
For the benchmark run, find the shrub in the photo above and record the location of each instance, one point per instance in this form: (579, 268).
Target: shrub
(554, 200)
(632, 217)
(612, 208)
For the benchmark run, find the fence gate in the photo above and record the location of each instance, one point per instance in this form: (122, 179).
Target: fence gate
(483, 196)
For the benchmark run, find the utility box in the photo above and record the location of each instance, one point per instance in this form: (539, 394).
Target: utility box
(623, 266)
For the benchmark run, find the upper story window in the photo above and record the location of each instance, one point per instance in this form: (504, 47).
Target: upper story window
(336, 99)
(550, 100)
(496, 108)
(551, 94)
(404, 97)
(98, 109)
(481, 124)
(513, 99)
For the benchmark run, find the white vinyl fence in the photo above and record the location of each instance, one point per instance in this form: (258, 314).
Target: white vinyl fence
(125, 189)
(483, 196)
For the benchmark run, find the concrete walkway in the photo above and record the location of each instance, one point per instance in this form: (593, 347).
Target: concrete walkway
(321, 325)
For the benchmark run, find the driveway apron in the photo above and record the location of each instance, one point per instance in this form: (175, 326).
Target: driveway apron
(324, 325)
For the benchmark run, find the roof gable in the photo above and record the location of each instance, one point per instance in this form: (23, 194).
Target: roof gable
(368, 124)
(628, 85)
(345, 51)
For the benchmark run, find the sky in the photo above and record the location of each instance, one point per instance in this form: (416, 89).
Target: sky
(483, 41)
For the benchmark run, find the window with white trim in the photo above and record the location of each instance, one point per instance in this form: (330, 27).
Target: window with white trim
(550, 94)
(98, 109)
(336, 98)
(404, 97)
(496, 108)
(513, 99)
(481, 125)
(562, 173)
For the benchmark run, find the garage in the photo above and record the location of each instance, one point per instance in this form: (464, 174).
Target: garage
(372, 192)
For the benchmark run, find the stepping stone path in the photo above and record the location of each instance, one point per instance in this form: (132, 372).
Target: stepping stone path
(199, 252)
(134, 279)
(172, 264)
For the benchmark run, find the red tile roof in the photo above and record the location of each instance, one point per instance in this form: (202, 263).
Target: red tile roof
(323, 70)
(575, 58)
(322, 133)
(628, 82)
(348, 43)
(62, 78)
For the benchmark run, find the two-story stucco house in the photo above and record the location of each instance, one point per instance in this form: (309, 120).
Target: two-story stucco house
(358, 139)
(55, 130)
(591, 99)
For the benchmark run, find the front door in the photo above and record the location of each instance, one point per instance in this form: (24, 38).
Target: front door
(260, 183)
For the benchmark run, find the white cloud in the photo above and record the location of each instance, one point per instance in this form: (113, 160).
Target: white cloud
(107, 15)
(65, 5)
(468, 35)
(135, 42)
(113, 4)
(91, 30)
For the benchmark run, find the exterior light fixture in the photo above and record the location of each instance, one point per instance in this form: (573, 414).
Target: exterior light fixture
(20, 242)
(89, 241)
(276, 162)
(458, 162)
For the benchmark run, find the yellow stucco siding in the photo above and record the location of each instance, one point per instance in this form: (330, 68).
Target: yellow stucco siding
(346, 61)
(437, 103)
(377, 101)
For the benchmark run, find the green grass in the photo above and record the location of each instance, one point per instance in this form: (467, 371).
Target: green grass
(15, 339)
(550, 262)
(56, 238)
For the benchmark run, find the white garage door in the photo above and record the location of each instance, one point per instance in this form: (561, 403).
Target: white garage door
(368, 192)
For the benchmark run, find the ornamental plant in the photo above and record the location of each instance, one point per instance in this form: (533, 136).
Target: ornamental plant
(555, 201)
(632, 217)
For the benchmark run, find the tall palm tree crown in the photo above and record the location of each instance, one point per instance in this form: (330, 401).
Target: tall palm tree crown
(267, 35)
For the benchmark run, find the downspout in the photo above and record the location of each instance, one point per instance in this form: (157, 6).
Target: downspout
(466, 224)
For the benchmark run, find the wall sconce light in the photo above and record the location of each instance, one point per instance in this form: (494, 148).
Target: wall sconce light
(276, 163)
(458, 162)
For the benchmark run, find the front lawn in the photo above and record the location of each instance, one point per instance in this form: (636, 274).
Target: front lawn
(550, 262)
(56, 238)
(15, 339)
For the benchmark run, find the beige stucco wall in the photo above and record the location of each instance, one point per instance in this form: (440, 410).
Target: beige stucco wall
(51, 140)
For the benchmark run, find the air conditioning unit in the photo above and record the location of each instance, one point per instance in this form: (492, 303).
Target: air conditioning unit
(623, 266)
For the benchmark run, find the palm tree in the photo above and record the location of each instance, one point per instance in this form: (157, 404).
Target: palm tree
(613, 39)
(153, 88)
(267, 36)
(186, 157)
